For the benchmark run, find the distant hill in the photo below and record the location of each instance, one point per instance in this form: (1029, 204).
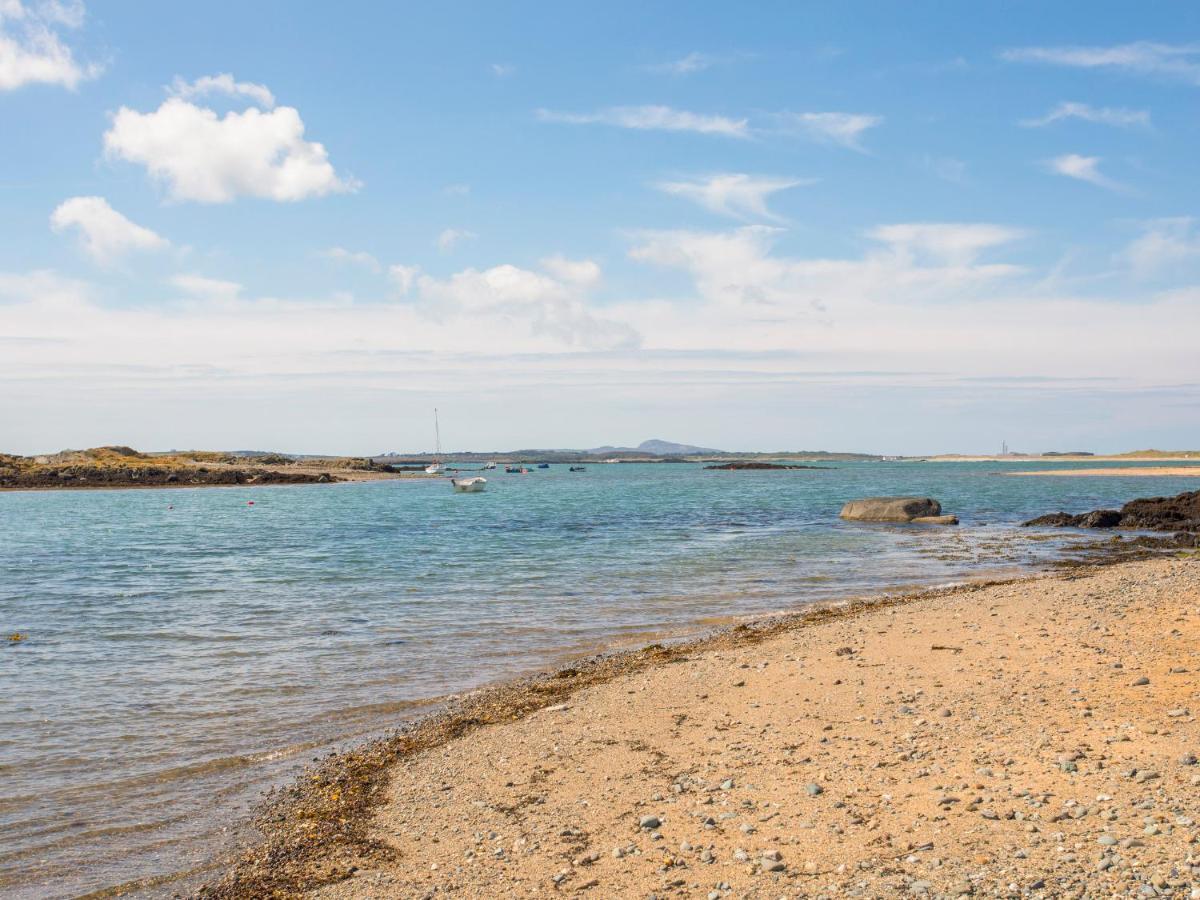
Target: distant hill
(670, 448)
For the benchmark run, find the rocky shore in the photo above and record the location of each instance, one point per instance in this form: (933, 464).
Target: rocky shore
(123, 467)
(1029, 738)
(1180, 513)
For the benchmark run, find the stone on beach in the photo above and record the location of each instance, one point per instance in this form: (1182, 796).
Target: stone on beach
(891, 509)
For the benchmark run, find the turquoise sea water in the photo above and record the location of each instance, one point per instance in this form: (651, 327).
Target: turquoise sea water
(186, 649)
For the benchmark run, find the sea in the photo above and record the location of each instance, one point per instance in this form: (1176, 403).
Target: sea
(187, 649)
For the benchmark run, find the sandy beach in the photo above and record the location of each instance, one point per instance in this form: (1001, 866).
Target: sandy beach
(1122, 472)
(1033, 737)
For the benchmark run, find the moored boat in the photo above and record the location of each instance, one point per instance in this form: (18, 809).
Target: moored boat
(469, 485)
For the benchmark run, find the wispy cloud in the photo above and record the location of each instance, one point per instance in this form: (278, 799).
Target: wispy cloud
(355, 257)
(733, 194)
(452, 237)
(948, 168)
(503, 70)
(223, 83)
(1083, 168)
(1175, 61)
(652, 118)
(837, 128)
(944, 243)
(104, 233)
(686, 65)
(201, 287)
(459, 189)
(1163, 243)
(1102, 115)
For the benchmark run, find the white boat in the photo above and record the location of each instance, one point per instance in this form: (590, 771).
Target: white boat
(469, 485)
(489, 466)
(435, 468)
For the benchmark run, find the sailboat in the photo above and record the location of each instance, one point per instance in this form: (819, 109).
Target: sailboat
(435, 468)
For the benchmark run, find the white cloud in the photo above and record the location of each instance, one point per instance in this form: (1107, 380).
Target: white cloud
(403, 277)
(198, 155)
(503, 70)
(686, 65)
(1163, 243)
(1103, 115)
(354, 257)
(1083, 168)
(31, 45)
(733, 194)
(652, 118)
(104, 233)
(223, 83)
(955, 244)
(1174, 61)
(549, 307)
(460, 189)
(582, 272)
(838, 128)
(207, 289)
(452, 237)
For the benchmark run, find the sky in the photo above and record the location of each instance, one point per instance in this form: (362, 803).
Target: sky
(884, 227)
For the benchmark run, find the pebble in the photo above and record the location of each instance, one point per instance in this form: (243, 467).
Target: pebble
(1106, 840)
(649, 822)
(1141, 682)
(813, 789)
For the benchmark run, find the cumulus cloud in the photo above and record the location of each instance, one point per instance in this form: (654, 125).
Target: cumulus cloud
(32, 50)
(1083, 168)
(653, 118)
(1103, 115)
(733, 194)
(198, 155)
(1180, 62)
(353, 257)
(104, 233)
(224, 84)
(837, 128)
(452, 237)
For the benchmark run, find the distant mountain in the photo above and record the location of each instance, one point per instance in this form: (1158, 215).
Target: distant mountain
(654, 448)
(670, 448)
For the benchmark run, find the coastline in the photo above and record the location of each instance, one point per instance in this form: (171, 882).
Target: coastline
(324, 832)
(1154, 471)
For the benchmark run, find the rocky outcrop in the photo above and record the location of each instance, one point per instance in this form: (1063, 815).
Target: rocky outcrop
(1178, 513)
(891, 509)
(83, 476)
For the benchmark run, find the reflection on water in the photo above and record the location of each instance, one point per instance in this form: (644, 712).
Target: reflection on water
(186, 649)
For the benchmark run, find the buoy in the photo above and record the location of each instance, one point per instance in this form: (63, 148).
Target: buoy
(249, 502)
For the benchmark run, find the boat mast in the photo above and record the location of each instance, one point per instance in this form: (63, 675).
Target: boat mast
(437, 438)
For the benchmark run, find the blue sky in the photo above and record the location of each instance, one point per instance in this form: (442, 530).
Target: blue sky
(891, 227)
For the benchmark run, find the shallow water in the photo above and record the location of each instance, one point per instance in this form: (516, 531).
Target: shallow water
(187, 649)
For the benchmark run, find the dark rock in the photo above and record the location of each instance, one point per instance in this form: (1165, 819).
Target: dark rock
(1179, 514)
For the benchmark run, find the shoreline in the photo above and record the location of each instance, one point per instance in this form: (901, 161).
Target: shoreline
(321, 830)
(1154, 471)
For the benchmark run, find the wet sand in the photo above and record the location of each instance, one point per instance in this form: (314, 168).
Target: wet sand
(1034, 736)
(1123, 472)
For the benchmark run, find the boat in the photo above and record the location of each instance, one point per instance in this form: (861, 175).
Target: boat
(435, 468)
(489, 466)
(543, 465)
(469, 485)
(516, 470)
(577, 469)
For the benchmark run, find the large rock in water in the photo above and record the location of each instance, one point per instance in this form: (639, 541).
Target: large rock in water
(891, 509)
